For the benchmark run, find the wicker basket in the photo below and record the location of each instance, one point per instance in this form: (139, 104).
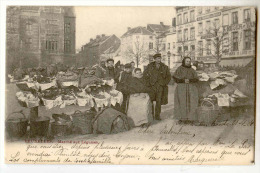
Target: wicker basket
(82, 121)
(39, 126)
(16, 127)
(207, 114)
(60, 129)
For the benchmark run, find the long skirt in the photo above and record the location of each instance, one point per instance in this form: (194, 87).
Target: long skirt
(139, 109)
(186, 102)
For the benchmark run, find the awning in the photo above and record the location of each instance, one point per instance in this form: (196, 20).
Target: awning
(235, 62)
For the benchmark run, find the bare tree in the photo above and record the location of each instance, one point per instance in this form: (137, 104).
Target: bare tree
(215, 37)
(184, 52)
(138, 52)
(158, 48)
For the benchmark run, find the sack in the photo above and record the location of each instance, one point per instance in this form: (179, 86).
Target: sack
(110, 121)
(139, 109)
(82, 121)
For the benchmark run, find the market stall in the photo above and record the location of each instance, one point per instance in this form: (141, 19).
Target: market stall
(71, 101)
(223, 95)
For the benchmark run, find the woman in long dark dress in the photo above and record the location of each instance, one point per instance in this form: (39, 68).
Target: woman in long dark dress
(186, 93)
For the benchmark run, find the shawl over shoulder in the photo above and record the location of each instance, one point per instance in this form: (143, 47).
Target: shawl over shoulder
(183, 73)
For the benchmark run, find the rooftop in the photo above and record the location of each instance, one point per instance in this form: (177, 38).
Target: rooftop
(159, 27)
(137, 30)
(113, 48)
(97, 41)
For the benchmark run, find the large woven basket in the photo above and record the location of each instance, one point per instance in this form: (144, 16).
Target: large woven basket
(16, 127)
(82, 121)
(207, 114)
(39, 126)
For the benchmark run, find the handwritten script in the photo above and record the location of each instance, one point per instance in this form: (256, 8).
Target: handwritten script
(169, 145)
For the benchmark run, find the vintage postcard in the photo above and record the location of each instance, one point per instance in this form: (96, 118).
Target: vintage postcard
(130, 85)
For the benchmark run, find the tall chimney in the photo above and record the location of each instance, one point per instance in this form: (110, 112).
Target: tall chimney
(174, 22)
(128, 28)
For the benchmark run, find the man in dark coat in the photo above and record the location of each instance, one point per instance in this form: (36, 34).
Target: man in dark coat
(122, 86)
(111, 72)
(101, 70)
(157, 76)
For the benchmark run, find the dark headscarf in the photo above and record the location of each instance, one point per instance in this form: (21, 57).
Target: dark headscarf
(183, 62)
(117, 64)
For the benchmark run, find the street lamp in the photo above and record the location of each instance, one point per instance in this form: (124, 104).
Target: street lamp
(169, 56)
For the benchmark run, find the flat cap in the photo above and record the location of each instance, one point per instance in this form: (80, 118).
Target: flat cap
(110, 59)
(157, 55)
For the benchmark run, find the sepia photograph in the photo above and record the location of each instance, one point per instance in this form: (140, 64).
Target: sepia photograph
(130, 85)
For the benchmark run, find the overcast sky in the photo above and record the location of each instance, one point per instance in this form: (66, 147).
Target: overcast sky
(92, 21)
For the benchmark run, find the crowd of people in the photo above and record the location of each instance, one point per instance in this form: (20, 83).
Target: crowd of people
(140, 89)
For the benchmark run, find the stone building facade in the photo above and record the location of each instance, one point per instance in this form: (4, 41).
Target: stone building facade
(40, 35)
(234, 27)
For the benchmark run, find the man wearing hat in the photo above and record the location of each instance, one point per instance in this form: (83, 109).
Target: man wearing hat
(111, 71)
(132, 65)
(157, 76)
(101, 69)
(122, 85)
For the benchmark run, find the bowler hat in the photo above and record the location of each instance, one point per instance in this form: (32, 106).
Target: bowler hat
(157, 55)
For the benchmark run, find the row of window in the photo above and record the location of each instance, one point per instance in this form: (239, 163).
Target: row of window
(182, 19)
(151, 46)
(185, 48)
(185, 35)
(200, 10)
(185, 17)
(235, 19)
(53, 46)
(208, 27)
(234, 43)
(200, 48)
(55, 28)
(207, 9)
(247, 40)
